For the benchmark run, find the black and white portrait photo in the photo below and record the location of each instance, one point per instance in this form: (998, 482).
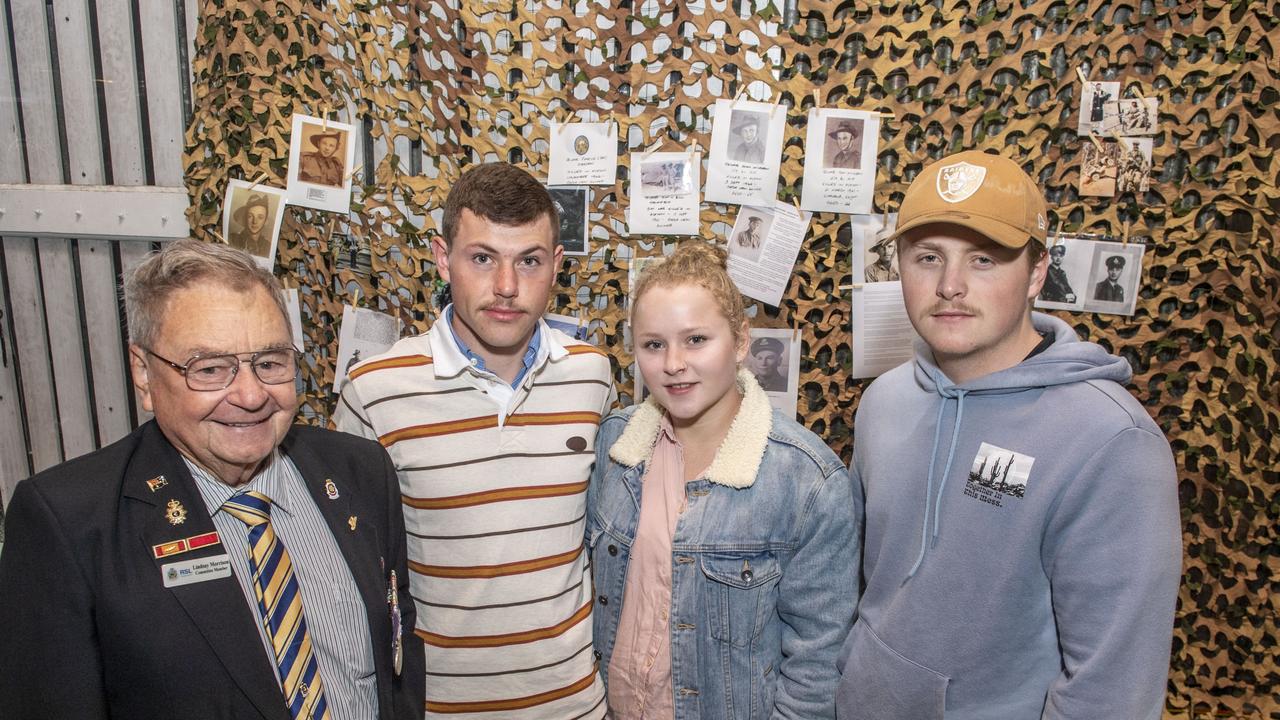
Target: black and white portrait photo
(748, 235)
(1114, 277)
(571, 205)
(773, 357)
(1133, 172)
(321, 156)
(1057, 283)
(843, 147)
(748, 128)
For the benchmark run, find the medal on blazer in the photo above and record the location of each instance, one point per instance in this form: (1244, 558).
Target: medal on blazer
(397, 643)
(176, 514)
(330, 490)
(177, 547)
(156, 483)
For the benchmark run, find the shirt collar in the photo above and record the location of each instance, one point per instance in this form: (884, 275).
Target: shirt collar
(451, 356)
(269, 481)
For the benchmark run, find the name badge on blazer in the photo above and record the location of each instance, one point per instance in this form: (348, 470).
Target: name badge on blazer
(187, 572)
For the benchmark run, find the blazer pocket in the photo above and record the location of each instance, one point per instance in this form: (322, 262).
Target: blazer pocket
(740, 591)
(878, 683)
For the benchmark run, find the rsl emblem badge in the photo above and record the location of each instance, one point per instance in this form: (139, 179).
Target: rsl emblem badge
(957, 182)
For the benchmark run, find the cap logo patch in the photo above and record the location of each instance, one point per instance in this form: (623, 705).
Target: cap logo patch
(957, 182)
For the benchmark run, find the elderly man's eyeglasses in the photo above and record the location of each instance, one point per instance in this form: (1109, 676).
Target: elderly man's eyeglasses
(275, 366)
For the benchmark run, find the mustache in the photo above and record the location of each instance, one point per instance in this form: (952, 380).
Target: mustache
(953, 307)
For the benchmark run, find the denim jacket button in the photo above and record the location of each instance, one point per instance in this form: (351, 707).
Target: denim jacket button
(597, 654)
(746, 576)
(603, 600)
(613, 549)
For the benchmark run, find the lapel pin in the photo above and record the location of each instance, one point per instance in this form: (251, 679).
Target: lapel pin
(157, 482)
(330, 489)
(352, 522)
(176, 514)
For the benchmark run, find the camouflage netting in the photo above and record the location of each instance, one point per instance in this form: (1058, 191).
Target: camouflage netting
(440, 85)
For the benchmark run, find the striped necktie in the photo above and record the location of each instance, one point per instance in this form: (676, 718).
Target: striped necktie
(280, 603)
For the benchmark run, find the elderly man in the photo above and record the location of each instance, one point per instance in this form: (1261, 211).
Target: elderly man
(1019, 562)
(219, 562)
(491, 418)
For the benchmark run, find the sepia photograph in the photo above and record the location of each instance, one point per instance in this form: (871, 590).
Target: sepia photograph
(321, 155)
(1134, 116)
(1134, 174)
(843, 148)
(665, 177)
(880, 258)
(571, 206)
(1099, 169)
(749, 129)
(251, 218)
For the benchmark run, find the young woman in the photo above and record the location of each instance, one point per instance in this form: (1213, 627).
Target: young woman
(724, 536)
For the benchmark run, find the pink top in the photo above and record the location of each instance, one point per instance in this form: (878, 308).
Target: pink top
(640, 668)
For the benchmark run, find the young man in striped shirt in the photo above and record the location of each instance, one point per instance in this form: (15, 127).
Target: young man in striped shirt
(491, 420)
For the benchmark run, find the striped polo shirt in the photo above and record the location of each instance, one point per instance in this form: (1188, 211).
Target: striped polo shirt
(495, 509)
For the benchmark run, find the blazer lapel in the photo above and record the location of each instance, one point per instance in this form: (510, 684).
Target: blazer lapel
(161, 494)
(356, 533)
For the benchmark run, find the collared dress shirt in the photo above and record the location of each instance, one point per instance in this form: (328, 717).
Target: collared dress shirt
(495, 387)
(336, 618)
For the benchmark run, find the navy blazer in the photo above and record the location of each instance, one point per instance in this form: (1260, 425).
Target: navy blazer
(90, 631)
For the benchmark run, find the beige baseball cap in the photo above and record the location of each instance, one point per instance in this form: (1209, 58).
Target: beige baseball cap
(986, 193)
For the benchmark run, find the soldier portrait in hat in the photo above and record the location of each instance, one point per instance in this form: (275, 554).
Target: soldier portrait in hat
(749, 232)
(749, 129)
(882, 261)
(322, 161)
(250, 218)
(1109, 289)
(768, 357)
(844, 149)
(1057, 286)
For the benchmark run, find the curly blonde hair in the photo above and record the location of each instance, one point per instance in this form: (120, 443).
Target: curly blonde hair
(702, 264)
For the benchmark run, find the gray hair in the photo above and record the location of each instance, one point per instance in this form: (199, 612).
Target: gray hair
(181, 264)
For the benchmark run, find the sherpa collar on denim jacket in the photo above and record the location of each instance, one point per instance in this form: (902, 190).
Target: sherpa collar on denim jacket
(739, 455)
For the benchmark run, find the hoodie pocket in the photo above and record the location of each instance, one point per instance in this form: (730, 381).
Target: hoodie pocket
(740, 591)
(877, 683)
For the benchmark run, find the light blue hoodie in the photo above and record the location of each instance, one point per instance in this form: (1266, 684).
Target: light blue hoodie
(1023, 545)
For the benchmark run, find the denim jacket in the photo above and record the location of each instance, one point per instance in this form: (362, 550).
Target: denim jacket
(765, 562)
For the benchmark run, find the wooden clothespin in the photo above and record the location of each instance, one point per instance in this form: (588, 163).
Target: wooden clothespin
(653, 147)
(218, 235)
(795, 202)
(1096, 142)
(353, 172)
(563, 124)
(324, 116)
(355, 296)
(741, 91)
(613, 125)
(817, 97)
(260, 178)
(1124, 239)
(695, 149)
(1080, 73)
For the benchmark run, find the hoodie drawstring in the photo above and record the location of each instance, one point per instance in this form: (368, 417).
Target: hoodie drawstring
(927, 541)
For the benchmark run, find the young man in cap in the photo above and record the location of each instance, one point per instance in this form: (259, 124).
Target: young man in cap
(1019, 563)
(1110, 289)
(491, 418)
(750, 147)
(253, 236)
(1057, 287)
(848, 137)
(766, 357)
